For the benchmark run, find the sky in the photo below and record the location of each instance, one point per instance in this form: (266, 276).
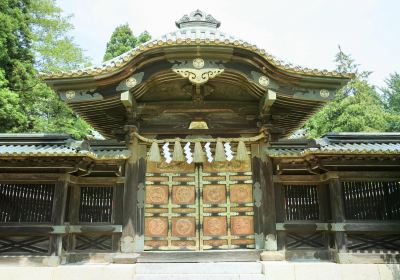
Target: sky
(305, 33)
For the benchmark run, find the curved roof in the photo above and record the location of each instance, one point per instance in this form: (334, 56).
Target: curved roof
(198, 29)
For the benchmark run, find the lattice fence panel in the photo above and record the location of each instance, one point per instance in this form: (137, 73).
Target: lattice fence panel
(93, 242)
(373, 243)
(26, 203)
(31, 245)
(305, 240)
(372, 200)
(96, 204)
(301, 202)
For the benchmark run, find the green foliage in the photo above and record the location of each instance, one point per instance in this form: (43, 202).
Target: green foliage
(29, 29)
(16, 64)
(54, 49)
(11, 116)
(123, 40)
(15, 44)
(391, 94)
(356, 108)
(50, 114)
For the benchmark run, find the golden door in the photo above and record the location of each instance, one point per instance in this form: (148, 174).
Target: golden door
(199, 207)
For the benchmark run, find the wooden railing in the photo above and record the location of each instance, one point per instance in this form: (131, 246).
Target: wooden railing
(96, 204)
(332, 215)
(38, 239)
(367, 237)
(361, 217)
(52, 218)
(371, 200)
(26, 203)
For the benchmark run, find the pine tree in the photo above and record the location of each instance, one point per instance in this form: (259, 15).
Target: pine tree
(123, 40)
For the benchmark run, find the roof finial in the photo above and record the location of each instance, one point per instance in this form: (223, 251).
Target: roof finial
(198, 18)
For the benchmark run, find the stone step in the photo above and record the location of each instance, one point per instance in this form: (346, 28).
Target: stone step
(200, 277)
(200, 268)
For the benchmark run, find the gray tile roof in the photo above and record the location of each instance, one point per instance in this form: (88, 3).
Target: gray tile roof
(62, 145)
(339, 143)
(59, 145)
(194, 35)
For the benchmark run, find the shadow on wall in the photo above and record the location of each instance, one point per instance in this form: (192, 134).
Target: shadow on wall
(393, 259)
(395, 271)
(390, 258)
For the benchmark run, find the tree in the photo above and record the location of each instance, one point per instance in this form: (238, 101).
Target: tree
(54, 50)
(357, 107)
(391, 94)
(15, 44)
(11, 115)
(53, 47)
(16, 64)
(34, 34)
(123, 40)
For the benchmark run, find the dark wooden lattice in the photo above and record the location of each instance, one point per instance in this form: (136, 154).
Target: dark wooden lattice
(24, 245)
(301, 202)
(370, 242)
(26, 203)
(372, 200)
(93, 242)
(96, 205)
(304, 240)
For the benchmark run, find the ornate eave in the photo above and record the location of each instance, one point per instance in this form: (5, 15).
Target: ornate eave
(191, 37)
(196, 72)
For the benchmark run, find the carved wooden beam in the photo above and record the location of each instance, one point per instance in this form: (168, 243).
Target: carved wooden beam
(130, 105)
(198, 71)
(266, 101)
(81, 95)
(130, 82)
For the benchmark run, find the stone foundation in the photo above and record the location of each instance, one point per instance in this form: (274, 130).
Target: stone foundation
(265, 270)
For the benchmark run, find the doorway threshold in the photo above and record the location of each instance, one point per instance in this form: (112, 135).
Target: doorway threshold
(203, 256)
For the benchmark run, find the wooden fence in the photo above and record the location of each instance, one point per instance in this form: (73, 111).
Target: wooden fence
(27, 224)
(370, 222)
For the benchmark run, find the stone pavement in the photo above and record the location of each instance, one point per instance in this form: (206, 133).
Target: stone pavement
(205, 271)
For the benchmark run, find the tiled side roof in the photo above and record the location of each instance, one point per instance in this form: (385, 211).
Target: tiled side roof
(18, 145)
(187, 37)
(340, 143)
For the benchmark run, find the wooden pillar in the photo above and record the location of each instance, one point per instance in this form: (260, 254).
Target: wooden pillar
(280, 214)
(337, 211)
(118, 212)
(58, 214)
(132, 239)
(258, 198)
(264, 191)
(73, 214)
(269, 207)
(324, 210)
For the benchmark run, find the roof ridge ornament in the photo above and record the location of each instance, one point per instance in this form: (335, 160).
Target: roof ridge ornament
(198, 18)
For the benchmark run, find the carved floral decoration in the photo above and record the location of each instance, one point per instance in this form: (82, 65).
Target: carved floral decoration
(200, 72)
